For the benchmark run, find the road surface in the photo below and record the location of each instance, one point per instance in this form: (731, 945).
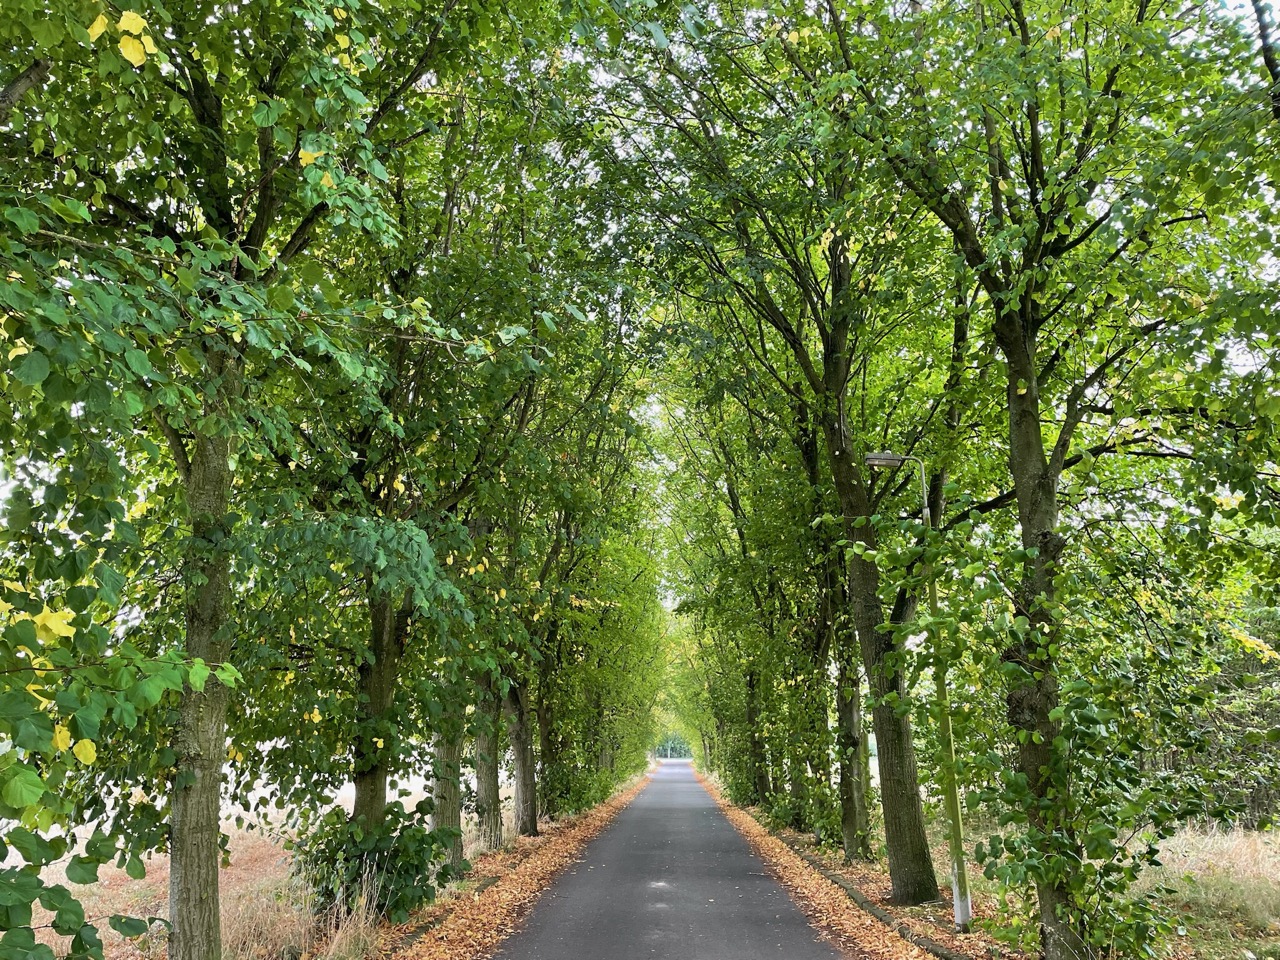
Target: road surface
(669, 878)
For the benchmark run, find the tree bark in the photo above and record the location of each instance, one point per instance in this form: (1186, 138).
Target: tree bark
(551, 780)
(488, 797)
(547, 758)
(855, 825)
(756, 753)
(910, 861)
(377, 686)
(521, 729)
(200, 736)
(17, 88)
(446, 791)
(1270, 59)
(1033, 695)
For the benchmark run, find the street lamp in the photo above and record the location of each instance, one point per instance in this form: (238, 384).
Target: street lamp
(962, 905)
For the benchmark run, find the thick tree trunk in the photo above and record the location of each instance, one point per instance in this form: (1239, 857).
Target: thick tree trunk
(377, 687)
(446, 789)
(1033, 695)
(551, 775)
(548, 759)
(797, 787)
(815, 744)
(756, 752)
(910, 861)
(521, 730)
(855, 825)
(488, 798)
(200, 737)
(1270, 58)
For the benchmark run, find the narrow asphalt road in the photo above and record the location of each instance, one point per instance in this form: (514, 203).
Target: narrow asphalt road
(669, 878)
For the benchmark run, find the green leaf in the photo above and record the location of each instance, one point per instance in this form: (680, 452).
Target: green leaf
(35, 850)
(35, 733)
(23, 786)
(197, 675)
(139, 363)
(129, 927)
(16, 704)
(82, 870)
(24, 220)
(32, 368)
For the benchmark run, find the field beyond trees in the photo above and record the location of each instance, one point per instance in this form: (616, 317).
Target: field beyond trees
(414, 418)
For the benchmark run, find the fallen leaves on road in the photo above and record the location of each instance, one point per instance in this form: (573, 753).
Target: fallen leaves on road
(828, 907)
(503, 886)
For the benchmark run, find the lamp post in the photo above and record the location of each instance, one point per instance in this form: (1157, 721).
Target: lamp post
(962, 905)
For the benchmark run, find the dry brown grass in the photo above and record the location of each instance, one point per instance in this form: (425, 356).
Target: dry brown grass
(1225, 886)
(1245, 854)
(266, 912)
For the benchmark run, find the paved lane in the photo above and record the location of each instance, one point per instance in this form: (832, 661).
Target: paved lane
(669, 878)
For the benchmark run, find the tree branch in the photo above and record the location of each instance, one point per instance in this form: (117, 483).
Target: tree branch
(16, 89)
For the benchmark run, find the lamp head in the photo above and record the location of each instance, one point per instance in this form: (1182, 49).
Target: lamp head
(884, 459)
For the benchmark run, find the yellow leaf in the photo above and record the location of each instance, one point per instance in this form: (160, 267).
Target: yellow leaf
(793, 37)
(314, 715)
(11, 585)
(50, 625)
(1053, 33)
(130, 22)
(148, 44)
(98, 27)
(378, 742)
(5, 607)
(61, 738)
(86, 751)
(308, 157)
(343, 40)
(327, 180)
(502, 593)
(132, 50)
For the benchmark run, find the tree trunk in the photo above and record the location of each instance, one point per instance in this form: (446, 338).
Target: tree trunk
(551, 780)
(488, 797)
(521, 729)
(200, 742)
(548, 758)
(446, 790)
(756, 754)
(1033, 694)
(815, 744)
(910, 861)
(855, 825)
(377, 687)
